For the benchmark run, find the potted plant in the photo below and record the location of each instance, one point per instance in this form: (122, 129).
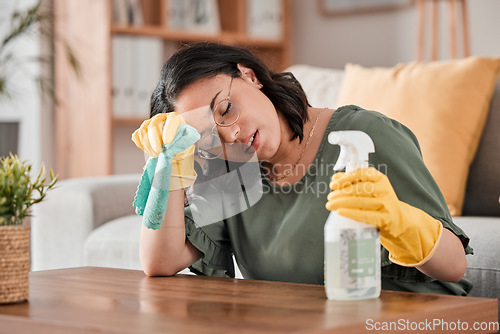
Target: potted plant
(19, 191)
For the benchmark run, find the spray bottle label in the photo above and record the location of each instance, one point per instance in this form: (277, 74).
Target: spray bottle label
(358, 257)
(361, 257)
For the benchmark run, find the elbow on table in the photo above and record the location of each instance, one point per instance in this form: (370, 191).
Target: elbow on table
(152, 266)
(156, 270)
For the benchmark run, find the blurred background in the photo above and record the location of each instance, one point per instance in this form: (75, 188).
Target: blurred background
(99, 60)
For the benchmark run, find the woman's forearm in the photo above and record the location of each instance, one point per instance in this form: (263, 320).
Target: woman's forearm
(166, 251)
(448, 262)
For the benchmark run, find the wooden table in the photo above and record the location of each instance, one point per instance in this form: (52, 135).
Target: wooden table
(103, 300)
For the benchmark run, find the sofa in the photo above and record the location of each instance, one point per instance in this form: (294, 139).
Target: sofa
(91, 222)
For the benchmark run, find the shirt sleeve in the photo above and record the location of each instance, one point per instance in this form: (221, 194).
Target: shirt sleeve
(213, 241)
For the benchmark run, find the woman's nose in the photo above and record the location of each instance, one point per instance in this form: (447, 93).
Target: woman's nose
(228, 134)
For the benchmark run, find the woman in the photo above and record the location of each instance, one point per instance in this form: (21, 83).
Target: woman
(281, 236)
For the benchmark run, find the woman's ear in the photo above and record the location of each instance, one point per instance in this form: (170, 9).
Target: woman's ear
(248, 75)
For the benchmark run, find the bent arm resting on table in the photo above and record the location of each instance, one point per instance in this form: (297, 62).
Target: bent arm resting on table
(166, 251)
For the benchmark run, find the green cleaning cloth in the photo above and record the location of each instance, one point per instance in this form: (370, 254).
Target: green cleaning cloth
(151, 198)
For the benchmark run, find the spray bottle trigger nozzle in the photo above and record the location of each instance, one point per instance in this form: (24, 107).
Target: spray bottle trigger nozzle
(355, 146)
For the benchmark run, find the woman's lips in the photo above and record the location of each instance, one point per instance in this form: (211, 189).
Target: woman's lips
(253, 143)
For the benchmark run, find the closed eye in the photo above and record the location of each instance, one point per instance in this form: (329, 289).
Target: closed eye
(229, 106)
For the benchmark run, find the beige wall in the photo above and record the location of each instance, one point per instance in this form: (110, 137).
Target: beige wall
(384, 38)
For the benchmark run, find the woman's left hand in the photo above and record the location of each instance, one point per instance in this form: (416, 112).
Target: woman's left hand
(366, 195)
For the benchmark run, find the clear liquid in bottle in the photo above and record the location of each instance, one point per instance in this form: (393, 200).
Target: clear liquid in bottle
(352, 259)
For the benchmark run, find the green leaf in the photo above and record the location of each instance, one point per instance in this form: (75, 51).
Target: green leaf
(19, 191)
(36, 22)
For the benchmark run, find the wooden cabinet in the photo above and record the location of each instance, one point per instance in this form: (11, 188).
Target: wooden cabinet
(86, 128)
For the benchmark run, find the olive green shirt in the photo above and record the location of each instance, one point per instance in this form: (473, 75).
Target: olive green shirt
(280, 238)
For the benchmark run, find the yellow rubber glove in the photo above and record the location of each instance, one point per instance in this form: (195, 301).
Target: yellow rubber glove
(366, 195)
(159, 130)
(156, 131)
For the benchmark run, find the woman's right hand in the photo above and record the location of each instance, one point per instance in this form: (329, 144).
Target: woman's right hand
(158, 131)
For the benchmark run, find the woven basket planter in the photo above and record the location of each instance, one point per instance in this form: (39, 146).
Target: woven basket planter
(14, 263)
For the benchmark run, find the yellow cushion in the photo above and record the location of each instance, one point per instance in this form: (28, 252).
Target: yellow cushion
(445, 103)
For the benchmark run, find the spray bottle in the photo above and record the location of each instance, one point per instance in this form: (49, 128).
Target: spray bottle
(352, 248)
